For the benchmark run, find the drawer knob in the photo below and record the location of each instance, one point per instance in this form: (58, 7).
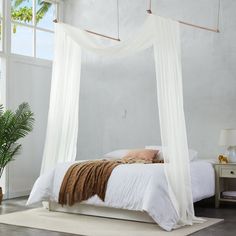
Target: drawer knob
(232, 172)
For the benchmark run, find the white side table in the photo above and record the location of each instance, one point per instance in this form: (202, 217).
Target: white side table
(222, 173)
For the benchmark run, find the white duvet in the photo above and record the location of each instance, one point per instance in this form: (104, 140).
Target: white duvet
(135, 187)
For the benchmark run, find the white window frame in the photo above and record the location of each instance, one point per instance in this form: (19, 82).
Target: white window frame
(34, 27)
(4, 178)
(7, 57)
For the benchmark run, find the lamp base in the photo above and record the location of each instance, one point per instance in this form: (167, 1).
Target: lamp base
(231, 153)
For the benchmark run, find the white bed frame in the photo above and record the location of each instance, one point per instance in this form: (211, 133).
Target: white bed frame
(102, 211)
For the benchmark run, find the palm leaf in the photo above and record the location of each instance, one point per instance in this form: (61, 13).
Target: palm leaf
(17, 3)
(24, 13)
(45, 6)
(13, 126)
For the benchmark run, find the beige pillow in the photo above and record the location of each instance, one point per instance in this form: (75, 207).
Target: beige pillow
(141, 156)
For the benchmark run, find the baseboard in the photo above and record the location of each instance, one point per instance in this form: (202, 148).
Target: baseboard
(16, 194)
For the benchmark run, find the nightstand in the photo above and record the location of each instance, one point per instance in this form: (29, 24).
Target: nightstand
(223, 172)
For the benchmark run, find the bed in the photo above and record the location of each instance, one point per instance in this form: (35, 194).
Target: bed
(134, 192)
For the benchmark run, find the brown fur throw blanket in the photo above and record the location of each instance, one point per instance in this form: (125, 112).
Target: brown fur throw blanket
(86, 179)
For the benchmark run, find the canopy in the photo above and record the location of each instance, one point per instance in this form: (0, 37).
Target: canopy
(62, 131)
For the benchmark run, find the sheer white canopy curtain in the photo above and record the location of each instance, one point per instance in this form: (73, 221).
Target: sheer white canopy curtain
(61, 138)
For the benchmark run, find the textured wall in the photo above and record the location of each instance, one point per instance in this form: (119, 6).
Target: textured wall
(118, 97)
(31, 83)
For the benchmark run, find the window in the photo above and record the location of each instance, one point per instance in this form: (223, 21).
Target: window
(32, 28)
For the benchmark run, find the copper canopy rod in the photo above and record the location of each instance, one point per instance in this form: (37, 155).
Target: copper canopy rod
(103, 35)
(149, 11)
(95, 33)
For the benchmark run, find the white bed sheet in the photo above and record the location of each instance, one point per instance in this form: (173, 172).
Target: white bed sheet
(134, 187)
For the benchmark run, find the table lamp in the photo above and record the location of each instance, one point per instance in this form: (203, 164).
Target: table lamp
(228, 139)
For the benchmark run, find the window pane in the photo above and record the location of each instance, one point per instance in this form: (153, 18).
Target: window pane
(22, 40)
(45, 14)
(21, 11)
(44, 45)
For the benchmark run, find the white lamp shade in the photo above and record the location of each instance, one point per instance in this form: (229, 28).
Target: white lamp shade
(227, 137)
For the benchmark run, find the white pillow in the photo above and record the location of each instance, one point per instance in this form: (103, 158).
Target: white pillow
(117, 154)
(193, 154)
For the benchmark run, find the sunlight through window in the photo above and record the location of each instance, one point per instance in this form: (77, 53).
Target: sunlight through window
(32, 28)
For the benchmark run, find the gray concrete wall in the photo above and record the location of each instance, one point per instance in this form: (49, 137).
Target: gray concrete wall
(118, 97)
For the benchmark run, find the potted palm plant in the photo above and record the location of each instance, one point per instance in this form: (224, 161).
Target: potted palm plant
(13, 126)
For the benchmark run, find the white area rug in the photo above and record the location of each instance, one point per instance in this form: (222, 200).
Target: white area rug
(92, 226)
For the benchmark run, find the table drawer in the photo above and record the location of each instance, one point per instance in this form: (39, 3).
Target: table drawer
(228, 172)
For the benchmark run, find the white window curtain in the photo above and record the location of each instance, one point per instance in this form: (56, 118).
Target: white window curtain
(61, 139)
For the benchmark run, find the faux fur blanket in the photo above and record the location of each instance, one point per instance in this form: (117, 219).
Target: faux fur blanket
(86, 179)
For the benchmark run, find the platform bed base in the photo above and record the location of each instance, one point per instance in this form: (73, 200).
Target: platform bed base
(100, 211)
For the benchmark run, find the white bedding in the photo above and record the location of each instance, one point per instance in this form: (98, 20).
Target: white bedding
(135, 187)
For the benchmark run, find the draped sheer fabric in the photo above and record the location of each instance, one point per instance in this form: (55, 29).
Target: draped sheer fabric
(62, 130)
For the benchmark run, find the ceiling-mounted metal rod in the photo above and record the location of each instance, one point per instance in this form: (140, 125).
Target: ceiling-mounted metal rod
(218, 16)
(118, 19)
(149, 11)
(102, 35)
(199, 27)
(95, 33)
